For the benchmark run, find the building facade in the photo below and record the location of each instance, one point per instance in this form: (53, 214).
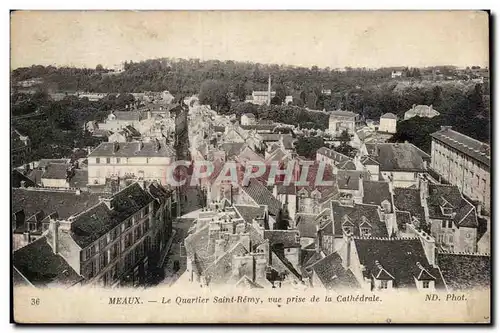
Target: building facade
(340, 121)
(141, 160)
(463, 161)
(388, 123)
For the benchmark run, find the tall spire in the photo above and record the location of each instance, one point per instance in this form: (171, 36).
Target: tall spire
(269, 91)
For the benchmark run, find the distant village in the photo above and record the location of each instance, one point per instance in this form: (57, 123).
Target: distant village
(394, 218)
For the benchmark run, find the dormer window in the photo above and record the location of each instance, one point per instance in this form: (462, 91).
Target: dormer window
(447, 211)
(348, 229)
(365, 232)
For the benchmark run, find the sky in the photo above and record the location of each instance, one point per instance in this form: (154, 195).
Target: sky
(302, 38)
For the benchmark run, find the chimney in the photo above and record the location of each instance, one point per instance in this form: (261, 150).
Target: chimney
(424, 189)
(219, 248)
(360, 186)
(23, 183)
(260, 269)
(115, 147)
(78, 192)
(413, 107)
(27, 237)
(269, 91)
(54, 229)
(245, 241)
(347, 257)
(106, 200)
(319, 240)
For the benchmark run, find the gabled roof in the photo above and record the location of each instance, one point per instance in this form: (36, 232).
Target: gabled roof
(38, 263)
(349, 179)
(56, 171)
(249, 213)
(464, 213)
(471, 147)
(399, 257)
(463, 271)
(398, 156)
(17, 177)
(332, 273)
(94, 223)
(306, 223)
(262, 196)
(375, 192)
(408, 200)
(64, 203)
(355, 215)
(388, 116)
(344, 114)
(133, 149)
(232, 149)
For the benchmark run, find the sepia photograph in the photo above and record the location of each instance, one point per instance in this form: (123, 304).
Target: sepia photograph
(250, 167)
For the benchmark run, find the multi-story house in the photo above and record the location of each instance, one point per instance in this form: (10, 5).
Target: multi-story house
(141, 160)
(340, 121)
(399, 163)
(335, 159)
(463, 161)
(116, 242)
(388, 123)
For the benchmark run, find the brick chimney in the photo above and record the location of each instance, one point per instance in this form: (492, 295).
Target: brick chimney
(54, 230)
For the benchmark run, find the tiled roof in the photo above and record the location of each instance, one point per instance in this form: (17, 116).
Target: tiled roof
(246, 282)
(249, 115)
(306, 223)
(349, 179)
(45, 162)
(375, 192)
(332, 274)
(401, 258)
(262, 196)
(220, 270)
(465, 271)
(17, 177)
(389, 116)
(38, 263)
(402, 218)
(97, 221)
(332, 154)
(232, 149)
(288, 238)
(56, 171)
(249, 213)
(450, 196)
(64, 203)
(132, 149)
(266, 137)
(408, 200)
(357, 215)
(421, 111)
(398, 156)
(35, 175)
(477, 150)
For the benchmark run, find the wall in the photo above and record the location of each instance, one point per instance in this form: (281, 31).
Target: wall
(387, 125)
(471, 176)
(57, 183)
(401, 178)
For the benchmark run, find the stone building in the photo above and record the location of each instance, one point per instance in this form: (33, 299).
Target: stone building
(340, 121)
(388, 123)
(463, 161)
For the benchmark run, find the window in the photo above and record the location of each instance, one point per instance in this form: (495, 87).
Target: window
(383, 284)
(450, 239)
(103, 261)
(146, 210)
(447, 211)
(146, 226)
(108, 160)
(366, 232)
(444, 224)
(113, 252)
(128, 224)
(118, 160)
(425, 284)
(128, 240)
(348, 229)
(467, 235)
(97, 160)
(450, 224)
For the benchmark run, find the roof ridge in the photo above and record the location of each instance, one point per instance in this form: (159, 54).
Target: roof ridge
(478, 254)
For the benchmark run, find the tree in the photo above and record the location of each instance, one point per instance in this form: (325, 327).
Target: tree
(240, 92)
(280, 94)
(307, 147)
(124, 99)
(99, 68)
(215, 94)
